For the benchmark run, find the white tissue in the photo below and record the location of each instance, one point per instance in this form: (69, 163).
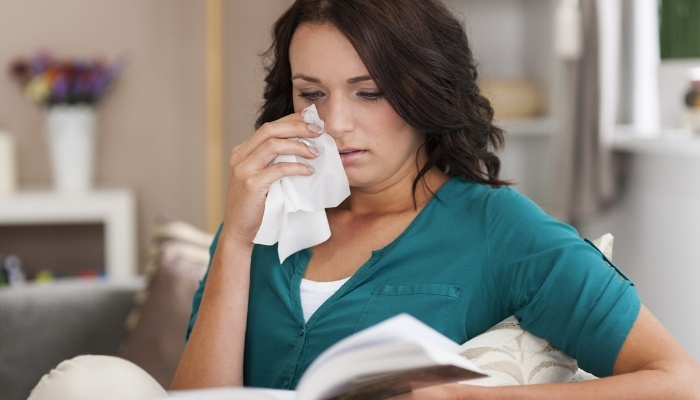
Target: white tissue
(295, 209)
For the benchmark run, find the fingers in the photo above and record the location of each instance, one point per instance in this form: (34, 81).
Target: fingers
(259, 181)
(251, 172)
(287, 127)
(256, 171)
(261, 156)
(270, 141)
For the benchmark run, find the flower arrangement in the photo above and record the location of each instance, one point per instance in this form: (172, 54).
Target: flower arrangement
(49, 81)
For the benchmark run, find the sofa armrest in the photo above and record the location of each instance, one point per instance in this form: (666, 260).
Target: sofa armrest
(43, 325)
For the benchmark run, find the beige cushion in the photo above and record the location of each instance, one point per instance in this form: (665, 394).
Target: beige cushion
(513, 356)
(156, 327)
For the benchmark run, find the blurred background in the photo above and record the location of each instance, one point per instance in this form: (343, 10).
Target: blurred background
(151, 125)
(597, 98)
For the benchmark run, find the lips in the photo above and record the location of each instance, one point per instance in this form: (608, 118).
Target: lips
(350, 155)
(347, 151)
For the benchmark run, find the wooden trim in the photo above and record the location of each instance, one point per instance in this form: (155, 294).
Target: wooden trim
(214, 118)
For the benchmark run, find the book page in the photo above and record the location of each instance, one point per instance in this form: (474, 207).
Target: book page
(395, 356)
(392, 357)
(384, 386)
(400, 327)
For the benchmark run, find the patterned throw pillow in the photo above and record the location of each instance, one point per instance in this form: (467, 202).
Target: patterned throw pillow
(513, 356)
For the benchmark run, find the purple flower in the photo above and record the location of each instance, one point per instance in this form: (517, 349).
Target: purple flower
(99, 85)
(50, 81)
(60, 89)
(40, 63)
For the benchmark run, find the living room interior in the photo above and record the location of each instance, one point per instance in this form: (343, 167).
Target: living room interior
(135, 241)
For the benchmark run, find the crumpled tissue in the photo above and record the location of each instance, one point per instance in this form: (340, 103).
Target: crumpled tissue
(295, 208)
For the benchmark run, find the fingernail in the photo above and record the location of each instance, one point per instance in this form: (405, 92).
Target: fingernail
(310, 168)
(313, 150)
(315, 128)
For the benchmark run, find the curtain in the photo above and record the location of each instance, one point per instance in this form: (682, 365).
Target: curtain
(610, 61)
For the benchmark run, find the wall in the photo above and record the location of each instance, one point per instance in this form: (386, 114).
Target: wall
(248, 33)
(151, 124)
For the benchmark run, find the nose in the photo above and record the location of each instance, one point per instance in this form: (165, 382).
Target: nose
(337, 116)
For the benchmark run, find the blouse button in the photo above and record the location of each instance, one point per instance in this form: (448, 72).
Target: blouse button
(301, 331)
(286, 383)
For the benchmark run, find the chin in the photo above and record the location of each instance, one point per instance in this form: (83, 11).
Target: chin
(356, 182)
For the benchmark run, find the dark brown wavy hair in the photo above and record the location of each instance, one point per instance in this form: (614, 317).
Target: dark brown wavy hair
(418, 54)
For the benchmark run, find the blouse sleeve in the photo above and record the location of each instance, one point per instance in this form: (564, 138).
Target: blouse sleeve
(197, 299)
(558, 285)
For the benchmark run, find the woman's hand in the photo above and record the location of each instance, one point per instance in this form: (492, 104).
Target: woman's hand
(251, 175)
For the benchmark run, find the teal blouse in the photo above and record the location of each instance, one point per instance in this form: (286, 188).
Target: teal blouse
(473, 256)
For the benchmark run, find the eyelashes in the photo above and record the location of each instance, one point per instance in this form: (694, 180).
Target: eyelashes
(310, 96)
(368, 96)
(371, 95)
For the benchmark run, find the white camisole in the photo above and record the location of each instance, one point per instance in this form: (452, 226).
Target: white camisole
(313, 294)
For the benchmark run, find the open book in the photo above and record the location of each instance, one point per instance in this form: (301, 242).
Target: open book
(392, 357)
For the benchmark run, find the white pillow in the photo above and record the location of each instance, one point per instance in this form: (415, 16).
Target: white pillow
(89, 377)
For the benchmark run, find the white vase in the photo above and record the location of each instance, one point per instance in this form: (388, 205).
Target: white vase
(70, 133)
(8, 164)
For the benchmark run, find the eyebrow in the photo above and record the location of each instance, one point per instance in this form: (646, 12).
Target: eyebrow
(311, 79)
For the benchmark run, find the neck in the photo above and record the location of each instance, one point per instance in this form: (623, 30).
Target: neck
(395, 197)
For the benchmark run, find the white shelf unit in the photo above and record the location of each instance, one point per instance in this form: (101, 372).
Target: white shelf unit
(524, 127)
(513, 39)
(115, 208)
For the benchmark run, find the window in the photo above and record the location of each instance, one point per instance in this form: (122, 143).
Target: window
(679, 29)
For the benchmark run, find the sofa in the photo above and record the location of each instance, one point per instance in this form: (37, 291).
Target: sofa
(41, 325)
(143, 321)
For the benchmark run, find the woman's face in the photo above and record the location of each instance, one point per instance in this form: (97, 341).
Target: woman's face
(377, 147)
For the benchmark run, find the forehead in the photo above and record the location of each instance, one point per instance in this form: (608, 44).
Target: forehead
(321, 47)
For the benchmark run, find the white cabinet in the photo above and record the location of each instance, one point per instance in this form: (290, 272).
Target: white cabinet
(115, 209)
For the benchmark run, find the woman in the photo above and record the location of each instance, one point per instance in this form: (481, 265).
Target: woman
(429, 228)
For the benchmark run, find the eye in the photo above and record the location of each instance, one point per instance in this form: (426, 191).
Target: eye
(371, 95)
(311, 96)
